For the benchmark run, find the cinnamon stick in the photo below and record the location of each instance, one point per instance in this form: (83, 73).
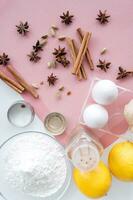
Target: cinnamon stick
(13, 87)
(88, 55)
(81, 53)
(74, 55)
(9, 80)
(82, 70)
(21, 80)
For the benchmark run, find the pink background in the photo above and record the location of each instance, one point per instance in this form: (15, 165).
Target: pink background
(116, 36)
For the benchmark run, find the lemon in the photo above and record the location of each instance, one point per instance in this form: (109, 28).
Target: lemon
(95, 183)
(121, 161)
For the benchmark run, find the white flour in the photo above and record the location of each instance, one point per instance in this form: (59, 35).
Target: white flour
(34, 164)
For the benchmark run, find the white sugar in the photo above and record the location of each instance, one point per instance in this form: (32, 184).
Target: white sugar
(34, 163)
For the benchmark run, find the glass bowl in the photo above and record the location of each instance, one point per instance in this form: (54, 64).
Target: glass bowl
(9, 193)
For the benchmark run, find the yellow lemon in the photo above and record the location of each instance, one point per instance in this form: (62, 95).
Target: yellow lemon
(95, 183)
(121, 161)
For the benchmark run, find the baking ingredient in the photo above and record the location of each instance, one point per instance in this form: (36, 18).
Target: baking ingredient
(51, 64)
(21, 114)
(4, 59)
(103, 65)
(123, 73)
(58, 95)
(87, 54)
(74, 52)
(81, 53)
(22, 81)
(23, 28)
(60, 56)
(33, 163)
(102, 17)
(35, 85)
(66, 18)
(128, 113)
(103, 51)
(120, 161)
(44, 37)
(61, 88)
(52, 79)
(33, 57)
(55, 27)
(55, 123)
(105, 92)
(61, 38)
(69, 93)
(93, 184)
(95, 116)
(38, 46)
(84, 149)
(52, 32)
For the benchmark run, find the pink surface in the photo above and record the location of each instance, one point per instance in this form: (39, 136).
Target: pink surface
(116, 36)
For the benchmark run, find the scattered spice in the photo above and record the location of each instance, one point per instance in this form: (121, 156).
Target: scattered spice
(103, 17)
(123, 73)
(104, 50)
(38, 46)
(35, 85)
(41, 83)
(63, 60)
(58, 95)
(59, 52)
(52, 32)
(51, 64)
(55, 27)
(4, 59)
(44, 37)
(33, 57)
(69, 93)
(52, 79)
(23, 28)
(61, 88)
(103, 65)
(61, 38)
(60, 56)
(66, 18)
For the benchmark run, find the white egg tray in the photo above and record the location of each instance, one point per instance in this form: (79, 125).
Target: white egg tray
(117, 124)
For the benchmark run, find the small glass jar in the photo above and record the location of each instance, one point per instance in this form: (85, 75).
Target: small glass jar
(84, 150)
(20, 114)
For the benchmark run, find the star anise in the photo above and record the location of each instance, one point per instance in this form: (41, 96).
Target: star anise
(22, 28)
(66, 18)
(4, 59)
(59, 52)
(102, 17)
(33, 57)
(103, 65)
(38, 46)
(123, 73)
(52, 79)
(63, 60)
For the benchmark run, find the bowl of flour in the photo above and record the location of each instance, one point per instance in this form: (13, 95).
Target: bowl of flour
(33, 166)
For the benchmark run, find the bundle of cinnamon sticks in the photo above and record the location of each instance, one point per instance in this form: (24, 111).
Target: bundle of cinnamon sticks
(20, 85)
(78, 55)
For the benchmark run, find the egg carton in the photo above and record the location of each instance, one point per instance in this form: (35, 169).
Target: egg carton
(117, 124)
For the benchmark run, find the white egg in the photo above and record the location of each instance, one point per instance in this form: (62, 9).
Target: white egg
(95, 116)
(105, 92)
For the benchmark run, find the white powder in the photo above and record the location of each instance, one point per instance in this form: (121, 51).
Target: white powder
(33, 163)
